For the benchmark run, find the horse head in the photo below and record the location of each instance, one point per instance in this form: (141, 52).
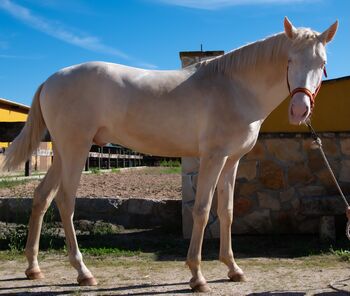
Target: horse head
(306, 65)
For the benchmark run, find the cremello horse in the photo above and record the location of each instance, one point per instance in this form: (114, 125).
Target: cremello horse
(212, 110)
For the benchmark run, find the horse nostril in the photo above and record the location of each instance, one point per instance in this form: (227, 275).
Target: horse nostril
(305, 113)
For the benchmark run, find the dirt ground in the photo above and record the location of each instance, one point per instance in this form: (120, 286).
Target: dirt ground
(146, 183)
(144, 276)
(272, 268)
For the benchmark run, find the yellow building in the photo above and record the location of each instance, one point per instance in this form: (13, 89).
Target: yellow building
(331, 113)
(16, 112)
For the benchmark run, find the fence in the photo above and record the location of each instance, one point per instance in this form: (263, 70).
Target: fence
(113, 156)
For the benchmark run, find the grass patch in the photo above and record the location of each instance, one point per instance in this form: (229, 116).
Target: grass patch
(110, 251)
(170, 163)
(95, 171)
(11, 183)
(170, 170)
(343, 255)
(115, 170)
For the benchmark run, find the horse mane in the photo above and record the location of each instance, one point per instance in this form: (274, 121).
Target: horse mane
(267, 51)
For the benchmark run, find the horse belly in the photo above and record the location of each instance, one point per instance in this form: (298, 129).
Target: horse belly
(153, 141)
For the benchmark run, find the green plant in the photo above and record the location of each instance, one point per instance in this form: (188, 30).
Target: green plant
(50, 229)
(17, 238)
(95, 171)
(115, 170)
(343, 255)
(4, 183)
(171, 170)
(109, 251)
(170, 163)
(102, 228)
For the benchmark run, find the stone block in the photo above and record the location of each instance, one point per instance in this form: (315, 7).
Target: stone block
(344, 175)
(257, 153)
(271, 175)
(188, 192)
(239, 226)
(287, 195)
(295, 204)
(345, 146)
(242, 206)
(299, 174)
(287, 150)
(330, 147)
(312, 190)
(325, 177)
(187, 220)
(141, 207)
(327, 229)
(259, 221)
(213, 228)
(309, 226)
(315, 160)
(247, 170)
(266, 201)
(189, 165)
(247, 189)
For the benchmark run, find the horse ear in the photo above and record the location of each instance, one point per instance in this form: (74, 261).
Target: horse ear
(328, 35)
(289, 29)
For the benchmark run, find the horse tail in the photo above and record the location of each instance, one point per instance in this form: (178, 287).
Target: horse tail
(29, 138)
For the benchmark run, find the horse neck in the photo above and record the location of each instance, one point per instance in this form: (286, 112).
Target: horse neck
(265, 78)
(268, 85)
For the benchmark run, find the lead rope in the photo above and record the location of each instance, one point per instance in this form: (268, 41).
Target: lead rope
(318, 142)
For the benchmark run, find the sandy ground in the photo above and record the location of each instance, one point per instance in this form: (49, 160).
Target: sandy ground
(139, 276)
(145, 183)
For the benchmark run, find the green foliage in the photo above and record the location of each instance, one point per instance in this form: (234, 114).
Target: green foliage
(109, 251)
(50, 230)
(171, 170)
(4, 183)
(102, 228)
(170, 167)
(170, 163)
(343, 255)
(17, 238)
(115, 170)
(95, 171)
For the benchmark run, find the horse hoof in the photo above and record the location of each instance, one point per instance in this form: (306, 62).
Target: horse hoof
(91, 281)
(34, 275)
(237, 277)
(201, 289)
(199, 285)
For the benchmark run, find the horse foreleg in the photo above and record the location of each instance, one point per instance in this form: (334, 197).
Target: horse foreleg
(43, 196)
(72, 164)
(225, 191)
(209, 170)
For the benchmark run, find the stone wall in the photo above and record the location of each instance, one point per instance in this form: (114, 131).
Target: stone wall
(280, 174)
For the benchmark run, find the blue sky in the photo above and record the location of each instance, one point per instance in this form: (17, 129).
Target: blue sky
(38, 37)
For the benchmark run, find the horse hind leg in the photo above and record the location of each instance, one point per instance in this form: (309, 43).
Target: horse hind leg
(73, 159)
(43, 196)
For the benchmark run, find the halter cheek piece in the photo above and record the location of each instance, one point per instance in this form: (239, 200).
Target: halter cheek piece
(312, 96)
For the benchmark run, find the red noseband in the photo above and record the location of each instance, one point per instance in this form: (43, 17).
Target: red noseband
(312, 96)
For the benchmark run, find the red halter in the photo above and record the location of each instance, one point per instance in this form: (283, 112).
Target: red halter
(312, 96)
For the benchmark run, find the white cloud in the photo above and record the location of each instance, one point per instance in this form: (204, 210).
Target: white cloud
(147, 66)
(217, 4)
(58, 31)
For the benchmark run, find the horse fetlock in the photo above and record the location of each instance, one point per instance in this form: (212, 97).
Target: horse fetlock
(228, 260)
(193, 263)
